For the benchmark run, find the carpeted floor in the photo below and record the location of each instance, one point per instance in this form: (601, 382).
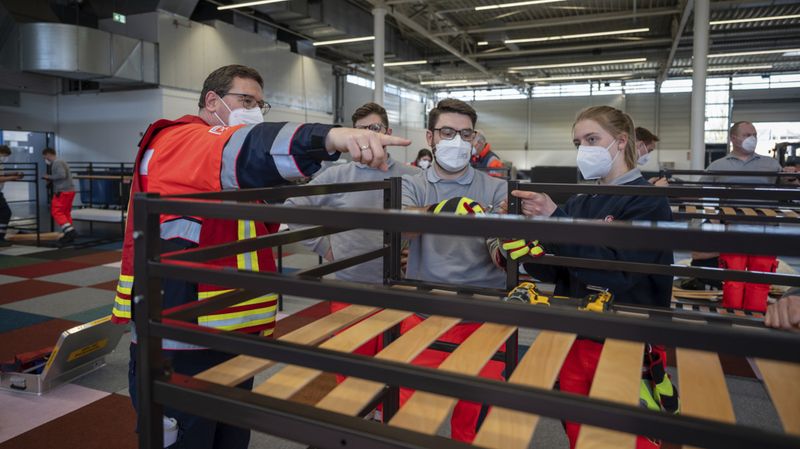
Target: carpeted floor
(45, 291)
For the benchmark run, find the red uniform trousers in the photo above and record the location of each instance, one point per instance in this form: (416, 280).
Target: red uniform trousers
(576, 377)
(464, 421)
(61, 207)
(741, 295)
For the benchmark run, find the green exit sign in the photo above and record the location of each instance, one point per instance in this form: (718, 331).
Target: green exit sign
(119, 17)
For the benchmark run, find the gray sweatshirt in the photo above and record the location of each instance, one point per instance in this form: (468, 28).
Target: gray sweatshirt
(359, 241)
(61, 177)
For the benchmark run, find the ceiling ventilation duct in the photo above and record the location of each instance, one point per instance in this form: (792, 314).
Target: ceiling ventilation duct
(81, 53)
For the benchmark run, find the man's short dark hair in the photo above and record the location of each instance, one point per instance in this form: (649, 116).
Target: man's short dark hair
(371, 108)
(221, 80)
(646, 136)
(735, 127)
(5, 149)
(49, 150)
(451, 105)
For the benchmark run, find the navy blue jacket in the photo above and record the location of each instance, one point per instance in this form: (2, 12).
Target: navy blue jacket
(631, 288)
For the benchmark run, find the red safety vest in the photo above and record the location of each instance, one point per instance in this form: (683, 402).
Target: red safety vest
(185, 156)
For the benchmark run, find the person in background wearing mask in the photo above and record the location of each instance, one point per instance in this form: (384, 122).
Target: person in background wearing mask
(423, 160)
(645, 145)
(373, 117)
(792, 166)
(59, 176)
(452, 260)
(483, 158)
(607, 153)
(5, 211)
(225, 146)
(744, 138)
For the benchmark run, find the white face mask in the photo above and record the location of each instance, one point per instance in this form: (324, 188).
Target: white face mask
(3, 158)
(242, 116)
(643, 160)
(749, 144)
(48, 162)
(424, 164)
(595, 162)
(453, 155)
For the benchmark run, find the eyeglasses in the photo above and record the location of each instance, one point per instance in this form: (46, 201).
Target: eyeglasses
(448, 133)
(250, 102)
(376, 127)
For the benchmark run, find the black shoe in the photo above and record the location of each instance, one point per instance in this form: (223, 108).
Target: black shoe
(693, 284)
(67, 238)
(5, 243)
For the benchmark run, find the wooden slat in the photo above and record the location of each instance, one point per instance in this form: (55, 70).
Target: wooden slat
(703, 390)
(290, 380)
(702, 385)
(728, 210)
(711, 211)
(748, 211)
(618, 376)
(768, 212)
(783, 384)
(691, 209)
(352, 395)
(425, 412)
(789, 213)
(240, 368)
(510, 429)
(25, 237)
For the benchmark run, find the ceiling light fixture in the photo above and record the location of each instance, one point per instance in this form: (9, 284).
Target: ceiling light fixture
(752, 53)
(515, 4)
(402, 63)
(345, 41)
(734, 68)
(435, 83)
(754, 19)
(577, 77)
(575, 36)
(246, 4)
(482, 43)
(467, 84)
(578, 64)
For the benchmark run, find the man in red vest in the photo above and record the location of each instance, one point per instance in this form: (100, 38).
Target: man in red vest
(226, 146)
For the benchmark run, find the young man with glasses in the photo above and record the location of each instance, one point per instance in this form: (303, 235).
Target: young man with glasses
(453, 260)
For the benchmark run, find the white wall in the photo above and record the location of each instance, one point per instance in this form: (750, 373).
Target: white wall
(105, 127)
(544, 126)
(775, 105)
(36, 112)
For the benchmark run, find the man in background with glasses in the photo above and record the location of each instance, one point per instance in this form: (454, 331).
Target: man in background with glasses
(372, 117)
(464, 261)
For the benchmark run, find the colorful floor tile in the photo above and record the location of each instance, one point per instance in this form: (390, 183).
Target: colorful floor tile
(43, 268)
(33, 338)
(29, 288)
(22, 412)
(7, 262)
(15, 319)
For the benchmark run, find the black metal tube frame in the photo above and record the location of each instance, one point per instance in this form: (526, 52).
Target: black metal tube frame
(694, 431)
(639, 235)
(766, 194)
(672, 270)
(770, 344)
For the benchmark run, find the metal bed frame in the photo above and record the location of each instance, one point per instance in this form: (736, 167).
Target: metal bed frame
(31, 176)
(159, 386)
